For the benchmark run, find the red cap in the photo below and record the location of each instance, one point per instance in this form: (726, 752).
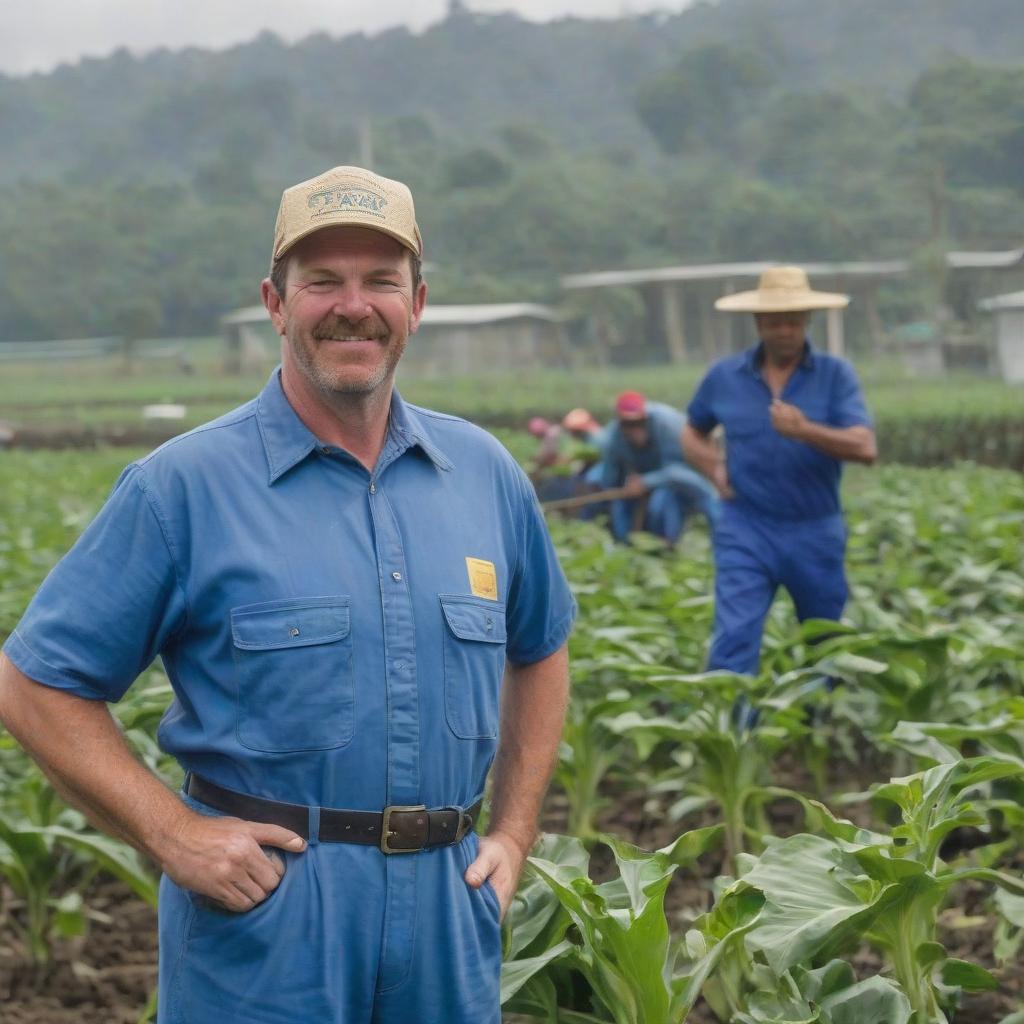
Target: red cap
(538, 426)
(631, 405)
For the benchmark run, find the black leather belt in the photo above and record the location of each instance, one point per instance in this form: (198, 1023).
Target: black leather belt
(398, 829)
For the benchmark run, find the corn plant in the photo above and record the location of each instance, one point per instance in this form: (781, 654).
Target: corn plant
(613, 935)
(825, 894)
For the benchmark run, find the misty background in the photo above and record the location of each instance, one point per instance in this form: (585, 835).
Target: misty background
(137, 192)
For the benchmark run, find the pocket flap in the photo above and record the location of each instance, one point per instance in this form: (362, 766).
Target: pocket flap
(299, 622)
(472, 618)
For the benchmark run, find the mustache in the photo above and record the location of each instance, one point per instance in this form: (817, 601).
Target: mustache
(337, 327)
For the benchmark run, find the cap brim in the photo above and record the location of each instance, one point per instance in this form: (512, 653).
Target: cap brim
(347, 223)
(797, 302)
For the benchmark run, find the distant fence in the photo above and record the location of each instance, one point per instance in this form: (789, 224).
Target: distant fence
(73, 348)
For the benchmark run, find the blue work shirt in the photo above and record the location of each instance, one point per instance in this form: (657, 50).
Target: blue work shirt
(655, 460)
(333, 636)
(773, 475)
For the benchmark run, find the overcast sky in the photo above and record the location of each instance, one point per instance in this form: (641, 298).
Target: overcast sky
(36, 35)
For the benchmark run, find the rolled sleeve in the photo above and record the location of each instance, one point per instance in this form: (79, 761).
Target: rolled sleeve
(109, 605)
(848, 406)
(700, 412)
(541, 609)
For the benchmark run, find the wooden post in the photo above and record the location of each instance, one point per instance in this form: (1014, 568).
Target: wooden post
(834, 330)
(674, 333)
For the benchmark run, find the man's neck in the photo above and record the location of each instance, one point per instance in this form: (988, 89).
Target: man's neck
(356, 423)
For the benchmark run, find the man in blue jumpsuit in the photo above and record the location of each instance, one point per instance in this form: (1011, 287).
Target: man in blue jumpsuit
(643, 454)
(791, 416)
(337, 583)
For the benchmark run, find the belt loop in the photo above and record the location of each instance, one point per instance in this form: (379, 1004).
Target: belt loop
(314, 826)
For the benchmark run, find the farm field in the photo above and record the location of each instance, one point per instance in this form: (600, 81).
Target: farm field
(858, 856)
(919, 422)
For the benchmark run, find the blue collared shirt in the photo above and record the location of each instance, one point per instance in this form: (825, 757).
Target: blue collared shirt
(333, 636)
(771, 474)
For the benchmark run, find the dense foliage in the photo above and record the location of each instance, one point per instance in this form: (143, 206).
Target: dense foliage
(921, 745)
(137, 195)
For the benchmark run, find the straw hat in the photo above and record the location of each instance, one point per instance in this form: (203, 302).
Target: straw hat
(781, 290)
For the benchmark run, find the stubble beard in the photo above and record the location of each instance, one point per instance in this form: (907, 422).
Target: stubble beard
(337, 382)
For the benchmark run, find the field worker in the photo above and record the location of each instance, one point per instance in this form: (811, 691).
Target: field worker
(550, 437)
(644, 456)
(791, 415)
(337, 583)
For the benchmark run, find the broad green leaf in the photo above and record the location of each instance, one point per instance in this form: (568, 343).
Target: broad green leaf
(968, 976)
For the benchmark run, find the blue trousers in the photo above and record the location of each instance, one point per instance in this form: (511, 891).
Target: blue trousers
(754, 556)
(350, 936)
(668, 507)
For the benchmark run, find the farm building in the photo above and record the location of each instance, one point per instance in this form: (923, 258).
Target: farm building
(451, 340)
(1009, 330)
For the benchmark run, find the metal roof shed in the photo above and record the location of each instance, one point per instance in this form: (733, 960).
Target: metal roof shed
(1009, 314)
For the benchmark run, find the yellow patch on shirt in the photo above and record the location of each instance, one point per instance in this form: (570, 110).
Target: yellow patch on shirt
(483, 580)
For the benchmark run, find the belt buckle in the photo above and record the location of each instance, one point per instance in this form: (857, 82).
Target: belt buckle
(386, 833)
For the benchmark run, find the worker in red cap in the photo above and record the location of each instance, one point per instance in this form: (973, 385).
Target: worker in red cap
(644, 456)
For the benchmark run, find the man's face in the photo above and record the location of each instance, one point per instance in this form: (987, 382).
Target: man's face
(348, 309)
(783, 334)
(637, 432)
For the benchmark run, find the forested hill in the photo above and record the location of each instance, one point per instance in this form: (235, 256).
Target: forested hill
(466, 78)
(137, 195)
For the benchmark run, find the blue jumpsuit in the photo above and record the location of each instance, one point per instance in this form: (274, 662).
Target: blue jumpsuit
(785, 526)
(675, 491)
(334, 638)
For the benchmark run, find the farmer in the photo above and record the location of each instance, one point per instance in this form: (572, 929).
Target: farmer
(643, 455)
(336, 582)
(791, 416)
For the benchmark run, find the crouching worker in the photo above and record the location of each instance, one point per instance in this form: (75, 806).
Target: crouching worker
(337, 583)
(644, 456)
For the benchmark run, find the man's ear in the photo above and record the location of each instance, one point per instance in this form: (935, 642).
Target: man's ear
(419, 300)
(274, 305)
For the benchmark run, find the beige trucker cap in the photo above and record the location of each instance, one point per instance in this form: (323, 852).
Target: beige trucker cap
(346, 195)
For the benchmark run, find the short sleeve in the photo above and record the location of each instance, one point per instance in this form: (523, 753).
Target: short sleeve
(700, 412)
(847, 400)
(109, 605)
(541, 608)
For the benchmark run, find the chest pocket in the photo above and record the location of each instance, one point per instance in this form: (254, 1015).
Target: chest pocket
(293, 666)
(474, 663)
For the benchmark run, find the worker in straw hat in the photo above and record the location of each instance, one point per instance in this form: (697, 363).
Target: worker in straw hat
(359, 610)
(791, 416)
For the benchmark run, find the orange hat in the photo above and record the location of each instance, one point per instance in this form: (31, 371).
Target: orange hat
(578, 419)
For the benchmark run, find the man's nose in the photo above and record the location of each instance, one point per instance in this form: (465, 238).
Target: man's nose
(350, 302)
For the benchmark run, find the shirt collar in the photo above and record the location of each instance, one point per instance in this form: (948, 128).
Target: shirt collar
(753, 358)
(287, 440)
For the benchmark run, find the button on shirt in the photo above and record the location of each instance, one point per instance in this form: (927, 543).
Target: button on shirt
(333, 637)
(771, 474)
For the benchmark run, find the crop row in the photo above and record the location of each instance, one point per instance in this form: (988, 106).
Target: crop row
(881, 788)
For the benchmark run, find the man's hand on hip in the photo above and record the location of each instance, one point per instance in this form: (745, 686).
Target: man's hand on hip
(500, 861)
(221, 858)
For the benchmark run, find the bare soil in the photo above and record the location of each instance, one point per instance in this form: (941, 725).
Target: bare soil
(107, 976)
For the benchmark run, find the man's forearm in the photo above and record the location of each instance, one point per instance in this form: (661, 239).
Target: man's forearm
(534, 700)
(851, 444)
(80, 748)
(701, 452)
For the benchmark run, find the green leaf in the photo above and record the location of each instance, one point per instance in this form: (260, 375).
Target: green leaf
(968, 976)
(516, 973)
